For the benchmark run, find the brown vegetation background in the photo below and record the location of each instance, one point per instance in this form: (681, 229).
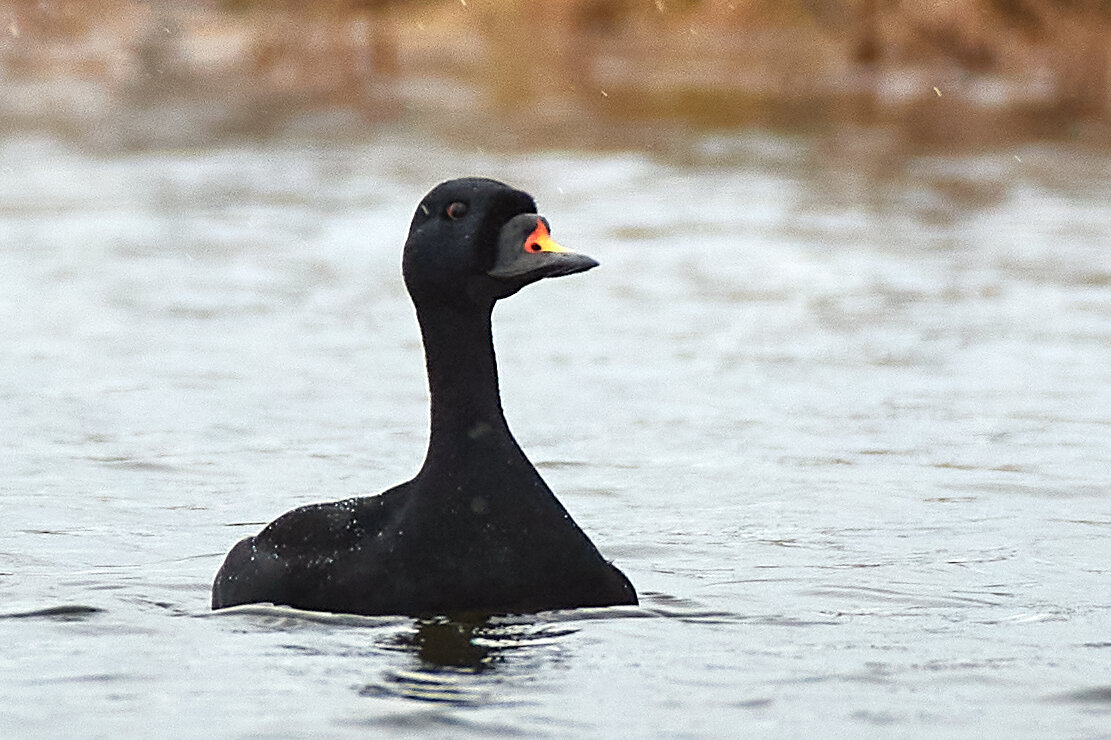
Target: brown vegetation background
(135, 73)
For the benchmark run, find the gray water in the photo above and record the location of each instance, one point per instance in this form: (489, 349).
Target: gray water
(843, 422)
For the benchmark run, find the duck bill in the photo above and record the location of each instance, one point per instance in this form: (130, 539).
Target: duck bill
(527, 252)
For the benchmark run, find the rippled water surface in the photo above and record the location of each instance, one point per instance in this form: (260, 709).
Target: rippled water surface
(845, 427)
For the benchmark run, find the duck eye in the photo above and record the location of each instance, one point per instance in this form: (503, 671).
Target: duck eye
(456, 210)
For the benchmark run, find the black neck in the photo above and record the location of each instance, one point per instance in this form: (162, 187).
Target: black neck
(462, 379)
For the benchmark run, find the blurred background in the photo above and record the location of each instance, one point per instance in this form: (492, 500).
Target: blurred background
(835, 400)
(955, 73)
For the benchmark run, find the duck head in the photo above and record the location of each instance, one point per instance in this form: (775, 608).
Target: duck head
(475, 240)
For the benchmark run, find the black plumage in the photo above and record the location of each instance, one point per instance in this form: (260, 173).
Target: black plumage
(477, 529)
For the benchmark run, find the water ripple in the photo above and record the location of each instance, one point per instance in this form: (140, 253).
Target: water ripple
(67, 612)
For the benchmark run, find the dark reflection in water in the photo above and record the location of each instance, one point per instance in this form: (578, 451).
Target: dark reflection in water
(452, 644)
(451, 652)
